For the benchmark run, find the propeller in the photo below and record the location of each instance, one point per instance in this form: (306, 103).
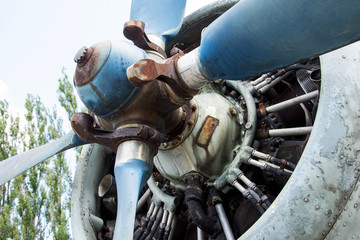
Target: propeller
(132, 170)
(14, 166)
(257, 36)
(162, 18)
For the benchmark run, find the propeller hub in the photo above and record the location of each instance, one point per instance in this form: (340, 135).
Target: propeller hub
(100, 77)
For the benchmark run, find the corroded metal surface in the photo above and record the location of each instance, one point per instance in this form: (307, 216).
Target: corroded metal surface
(315, 202)
(207, 130)
(82, 124)
(135, 31)
(211, 161)
(146, 70)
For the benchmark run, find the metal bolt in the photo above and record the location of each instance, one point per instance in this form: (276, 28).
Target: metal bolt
(80, 55)
(179, 137)
(232, 111)
(190, 123)
(248, 125)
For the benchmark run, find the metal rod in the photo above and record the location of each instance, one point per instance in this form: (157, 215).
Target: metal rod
(200, 234)
(291, 102)
(224, 221)
(284, 132)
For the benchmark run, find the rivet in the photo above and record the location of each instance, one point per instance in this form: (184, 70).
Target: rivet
(355, 205)
(317, 207)
(306, 199)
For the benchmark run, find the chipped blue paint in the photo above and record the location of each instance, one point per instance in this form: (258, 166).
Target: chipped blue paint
(109, 90)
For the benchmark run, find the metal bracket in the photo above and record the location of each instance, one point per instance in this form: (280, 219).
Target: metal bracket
(147, 70)
(135, 31)
(83, 126)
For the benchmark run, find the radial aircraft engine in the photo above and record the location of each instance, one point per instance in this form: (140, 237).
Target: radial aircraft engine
(239, 121)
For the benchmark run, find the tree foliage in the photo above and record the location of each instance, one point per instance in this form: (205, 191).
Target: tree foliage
(36, 204)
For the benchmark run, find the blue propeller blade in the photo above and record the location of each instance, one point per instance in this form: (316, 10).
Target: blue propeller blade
(257, 36)
(130, 176)
(14, 166)
(162, 17)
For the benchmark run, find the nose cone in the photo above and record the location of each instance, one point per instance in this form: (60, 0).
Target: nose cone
(100, 77)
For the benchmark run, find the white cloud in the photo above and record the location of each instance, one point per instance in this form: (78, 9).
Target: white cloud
(3, 89)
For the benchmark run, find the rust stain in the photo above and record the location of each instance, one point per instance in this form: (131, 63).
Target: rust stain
(207, 130)
(86, 71)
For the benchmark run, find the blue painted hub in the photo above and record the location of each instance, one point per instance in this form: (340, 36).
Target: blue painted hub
(101, 82)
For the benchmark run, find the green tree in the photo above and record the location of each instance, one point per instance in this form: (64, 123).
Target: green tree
(9, 139)
(36, 204)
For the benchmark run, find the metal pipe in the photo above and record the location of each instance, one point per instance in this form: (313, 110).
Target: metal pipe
(155, 224)
(200, 234)
(291, 102)
(224, 221)
(260, 155)
(273, 83)
(266, 81)
(239, 187)
(285, 132)
(151, 210)
(248, 196)
(161, 197)
(169, 223)
(170, 219)
(259, 80)
(143, 199)
(256, 163)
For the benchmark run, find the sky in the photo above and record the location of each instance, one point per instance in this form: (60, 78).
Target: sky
(39, 38)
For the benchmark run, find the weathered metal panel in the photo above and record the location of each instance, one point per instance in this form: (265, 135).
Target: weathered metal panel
(317, 199)
(89, 172)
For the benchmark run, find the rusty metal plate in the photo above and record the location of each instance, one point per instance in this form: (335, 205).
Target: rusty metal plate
(207, 130)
